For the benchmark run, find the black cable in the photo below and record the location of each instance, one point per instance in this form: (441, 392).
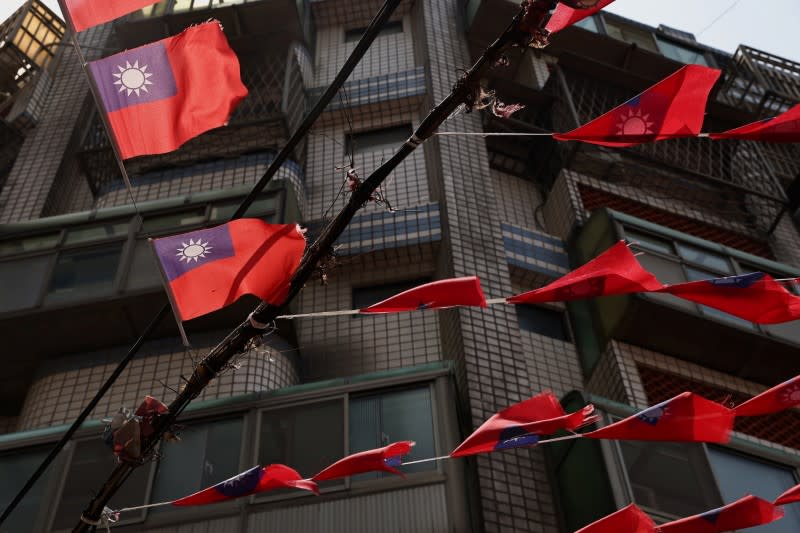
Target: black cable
(355, 56)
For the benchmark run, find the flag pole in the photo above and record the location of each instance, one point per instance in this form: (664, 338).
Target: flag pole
(101, 109)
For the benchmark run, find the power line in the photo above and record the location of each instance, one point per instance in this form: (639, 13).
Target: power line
(719, 17)
(355, 56)
(463, 93)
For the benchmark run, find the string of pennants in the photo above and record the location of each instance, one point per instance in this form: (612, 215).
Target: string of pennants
(214, 266)
(687, 417)
(160, 95)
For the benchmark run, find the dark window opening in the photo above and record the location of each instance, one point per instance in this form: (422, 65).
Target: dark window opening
(544, 321)
(376, 140)
(389, 28)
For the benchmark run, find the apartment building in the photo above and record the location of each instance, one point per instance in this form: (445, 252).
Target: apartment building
(79, 282)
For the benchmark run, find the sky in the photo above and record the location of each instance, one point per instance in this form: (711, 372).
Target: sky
(769, 25)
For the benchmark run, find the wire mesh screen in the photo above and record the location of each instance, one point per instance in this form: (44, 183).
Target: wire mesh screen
(734, 180)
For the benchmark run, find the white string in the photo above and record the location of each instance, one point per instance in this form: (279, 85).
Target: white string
(323, 313)
(418, 461)
(477, 134)
(140, 507)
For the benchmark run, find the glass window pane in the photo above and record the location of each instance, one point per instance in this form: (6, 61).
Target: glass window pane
(376, 140)
(307, 437)
(660, 473)
(84, 274)
(207, 454)
(143, 271)
(22, 282)
(378, 420)
(174, 220)
(222, 212)
(738, 475)
(353, 35)
(681, 53)
(29, 245)
(16, 468)
(667, 272)
(91, 464)
(589, 23)
(705, 258)
(96, 233)
(646, 241)
(542, 320)
(789, 331)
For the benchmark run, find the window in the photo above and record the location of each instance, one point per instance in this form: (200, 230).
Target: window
(22, 282)
(84, 274)
(377, 140)
(97, 232)
(174, 221)
(680, 53)
(305, 437)
(143, 270)
(674, 261)
(390, 28)
(92, 462)
(739, 474)
(543, 320)
(660, 474)
(380, 419)
(589, 23)
(207, 454)
(366, 296)
(18, 467)
(30, 244)
(641, 37)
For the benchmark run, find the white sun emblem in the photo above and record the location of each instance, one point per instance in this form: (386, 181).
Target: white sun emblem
(133, 78)
(634, 123)
(790, 395)
(194, 251)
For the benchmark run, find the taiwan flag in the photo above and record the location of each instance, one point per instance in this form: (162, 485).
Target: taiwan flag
(565, 16)
(257, 479)
(629, 519)
(778, 398)
(615, 271)
(83, 14)
(210, 268)
(756, 297)
(790, 496)
(784, 128)
(747, 512)
(158, 96)
(435, 295)
(674, 107)
(384, 459)
(523, 424)
(684, 418)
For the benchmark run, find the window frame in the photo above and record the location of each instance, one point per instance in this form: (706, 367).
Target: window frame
(624, 494)
(61, 481)
(353, 35)
(738, 267)
(553, 308)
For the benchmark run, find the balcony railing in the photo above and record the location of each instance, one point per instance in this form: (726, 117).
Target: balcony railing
(736, 180)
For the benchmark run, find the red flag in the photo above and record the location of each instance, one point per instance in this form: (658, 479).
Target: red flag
(160, 95)
(615, 271)
(253, 481)
(774, 400)
(565, 16)
(522, 424)
(747, 512)
(790, 496)
(434, 295)
(629, 519)
(673, 107)
(756, 297)
(378, 460)
(84, 14)
(210, 268)
(785, 128)
(684, 418)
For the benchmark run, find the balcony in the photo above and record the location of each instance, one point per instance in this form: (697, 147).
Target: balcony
(679, 328)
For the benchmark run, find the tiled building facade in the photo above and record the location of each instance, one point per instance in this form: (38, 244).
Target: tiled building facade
(79, 282)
